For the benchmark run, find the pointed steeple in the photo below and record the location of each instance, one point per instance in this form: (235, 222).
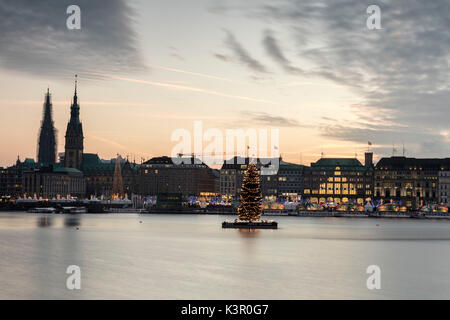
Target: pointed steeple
(75, 107)
(47, 134)
(75, 95)
(74, 134)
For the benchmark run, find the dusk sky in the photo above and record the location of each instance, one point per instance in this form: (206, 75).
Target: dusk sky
(310, 68)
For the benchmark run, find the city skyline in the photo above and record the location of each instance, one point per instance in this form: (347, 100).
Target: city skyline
(322, 97)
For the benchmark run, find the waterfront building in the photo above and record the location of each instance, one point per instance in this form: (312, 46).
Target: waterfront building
(289, 179)
(100, 175)
(73, 156)
(444, 186)
(281, 180)
(47, 134)
(410, 180)
(339, 180)
(53, 181)
(3, 184)
(192, 177)
(11, 177)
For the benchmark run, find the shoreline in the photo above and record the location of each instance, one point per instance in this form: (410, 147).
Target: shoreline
(302, 214)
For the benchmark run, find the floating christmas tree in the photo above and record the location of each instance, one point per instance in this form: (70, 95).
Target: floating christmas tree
(250, 208)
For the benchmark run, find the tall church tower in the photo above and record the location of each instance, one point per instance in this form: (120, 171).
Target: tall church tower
(47, 134)
(74, 136)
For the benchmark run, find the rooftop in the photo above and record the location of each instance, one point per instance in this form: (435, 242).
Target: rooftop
(92, 162)
(407, 163)
(165, 160)
(342, 163)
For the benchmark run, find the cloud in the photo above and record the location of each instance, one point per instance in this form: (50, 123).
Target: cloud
(400, 73)
(274, 51)
(223, 57)
(203, 75)
(242, 55)
(34, 38)
(109, 141)
(189, 88)
(174, 52)
(264, 118)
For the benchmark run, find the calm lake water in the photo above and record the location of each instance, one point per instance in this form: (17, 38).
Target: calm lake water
(130, 256)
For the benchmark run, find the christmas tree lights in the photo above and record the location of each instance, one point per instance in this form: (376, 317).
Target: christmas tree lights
(250, 208)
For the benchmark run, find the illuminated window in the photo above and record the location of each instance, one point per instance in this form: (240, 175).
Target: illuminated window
(345, 188)
(323, 188)
(337, 188)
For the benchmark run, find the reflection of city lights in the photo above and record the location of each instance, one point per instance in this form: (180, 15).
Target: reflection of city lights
(248, 231)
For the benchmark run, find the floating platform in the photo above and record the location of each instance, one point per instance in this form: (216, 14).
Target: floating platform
(250, 225)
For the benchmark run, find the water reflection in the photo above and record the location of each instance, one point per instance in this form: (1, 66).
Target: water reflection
(44, 221)
(248, 233)
(72, 220)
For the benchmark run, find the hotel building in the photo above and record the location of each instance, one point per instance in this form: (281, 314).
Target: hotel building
(282, 180)
(413, 181)
(339, 180)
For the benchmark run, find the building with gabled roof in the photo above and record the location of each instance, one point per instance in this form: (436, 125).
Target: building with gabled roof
(339, 180)
(100, 175)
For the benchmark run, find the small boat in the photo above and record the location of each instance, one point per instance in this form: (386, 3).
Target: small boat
(74, 210)
(42, 210)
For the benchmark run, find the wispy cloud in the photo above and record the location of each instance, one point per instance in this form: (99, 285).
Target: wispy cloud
(208, 76)
(267, 119)
(84, 102)
(108, 141)
(242, 55)
(401, 72)
(273, 49)
(174, 52)
(192, 89)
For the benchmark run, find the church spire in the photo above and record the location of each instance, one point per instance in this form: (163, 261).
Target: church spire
(47, 134)
(74, 135)
(75, 107)
(75, 94)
